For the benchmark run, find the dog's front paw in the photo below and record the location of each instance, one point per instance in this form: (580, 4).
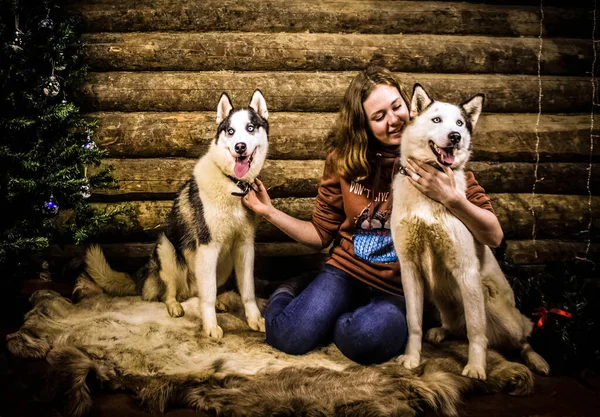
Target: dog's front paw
(214, 332)
(474, 371)
(409, 361)
(537, 363)
(175, 309)
(257, 324)
(436, 335)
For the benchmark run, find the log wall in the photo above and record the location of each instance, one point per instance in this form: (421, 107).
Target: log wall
(158, 67)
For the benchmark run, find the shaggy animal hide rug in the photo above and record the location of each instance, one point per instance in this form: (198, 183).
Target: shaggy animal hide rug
(130, 344)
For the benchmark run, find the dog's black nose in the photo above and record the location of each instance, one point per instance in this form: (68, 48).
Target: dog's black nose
(240, 147)
(454, 137)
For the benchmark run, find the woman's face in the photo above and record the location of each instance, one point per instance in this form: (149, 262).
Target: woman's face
(386, 113)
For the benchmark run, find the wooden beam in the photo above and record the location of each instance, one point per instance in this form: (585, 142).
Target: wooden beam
(556, 217)
(498, 137)
(216, 51)
(162, 178)
(332, 16)
(280, 255)
(527, 252)
(322, 91)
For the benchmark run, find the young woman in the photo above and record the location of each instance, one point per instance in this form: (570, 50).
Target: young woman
(356, 301)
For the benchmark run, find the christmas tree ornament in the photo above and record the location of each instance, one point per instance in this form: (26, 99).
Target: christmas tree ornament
(89, 143)
(46, 23)
(50, 206)
(51, 86)
(85, 188)
(17, 43)
(85, 191)
(60, 64)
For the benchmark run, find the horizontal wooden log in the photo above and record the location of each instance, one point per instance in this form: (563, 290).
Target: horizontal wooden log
(162, 178)
(522, 252)
(556, 216)
(331, 16)
(141, 179)
(306, 91)
(275, 260)
(216, 51)
(134, 250)
(505, 137)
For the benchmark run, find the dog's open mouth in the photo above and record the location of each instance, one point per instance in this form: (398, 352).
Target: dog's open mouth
(445, 156)
(242, 164)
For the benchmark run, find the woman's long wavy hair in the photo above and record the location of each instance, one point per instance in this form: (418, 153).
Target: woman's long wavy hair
(351, 137)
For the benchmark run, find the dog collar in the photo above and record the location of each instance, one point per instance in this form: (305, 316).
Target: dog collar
(242, 185)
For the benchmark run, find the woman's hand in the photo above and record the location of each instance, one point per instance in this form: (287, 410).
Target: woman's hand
(302, 231)
(441, 187)
(258, 199)
(437, 185)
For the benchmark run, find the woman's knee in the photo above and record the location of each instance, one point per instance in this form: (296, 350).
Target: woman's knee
(289, 340)
(372, 339)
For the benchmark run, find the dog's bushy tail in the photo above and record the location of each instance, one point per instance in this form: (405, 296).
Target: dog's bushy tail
(111, 281)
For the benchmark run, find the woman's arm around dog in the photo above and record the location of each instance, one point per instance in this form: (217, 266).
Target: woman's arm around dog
(300, 230)
(440, 186)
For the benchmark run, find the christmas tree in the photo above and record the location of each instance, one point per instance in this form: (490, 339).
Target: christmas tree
(46, 143)
(565, 308)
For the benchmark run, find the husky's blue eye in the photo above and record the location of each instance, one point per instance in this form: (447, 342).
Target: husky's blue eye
(250, 128)
(459, 123)
(436, 120)
(230, 131)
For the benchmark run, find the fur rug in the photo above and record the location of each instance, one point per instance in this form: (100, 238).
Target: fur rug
(126, 343)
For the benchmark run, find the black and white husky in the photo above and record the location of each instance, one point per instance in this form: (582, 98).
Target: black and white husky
(438, 255)
(209, 232)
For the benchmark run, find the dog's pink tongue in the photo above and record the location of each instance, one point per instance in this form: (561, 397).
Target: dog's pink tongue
(447, 158)
(241, 167)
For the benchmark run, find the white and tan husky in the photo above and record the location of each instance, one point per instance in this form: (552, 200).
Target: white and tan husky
(440, 258)
(209, 232)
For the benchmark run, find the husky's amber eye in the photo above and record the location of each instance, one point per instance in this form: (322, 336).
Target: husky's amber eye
(436, 120)
(459, 123)
(250, 128)
(230, 131)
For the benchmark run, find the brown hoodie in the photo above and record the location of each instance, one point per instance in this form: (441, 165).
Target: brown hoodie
(356, 215)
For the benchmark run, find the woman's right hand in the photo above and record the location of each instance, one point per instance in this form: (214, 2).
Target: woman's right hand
(258, 199)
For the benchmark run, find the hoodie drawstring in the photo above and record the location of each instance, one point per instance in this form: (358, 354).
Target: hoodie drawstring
(375, 193)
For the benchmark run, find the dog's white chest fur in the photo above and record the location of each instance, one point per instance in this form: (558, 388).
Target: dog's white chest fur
(426, 233)
(225, 215)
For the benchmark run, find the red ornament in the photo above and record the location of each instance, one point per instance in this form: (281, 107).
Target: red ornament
(543, 313)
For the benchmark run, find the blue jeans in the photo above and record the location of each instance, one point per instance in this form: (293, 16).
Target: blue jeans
(368, 326)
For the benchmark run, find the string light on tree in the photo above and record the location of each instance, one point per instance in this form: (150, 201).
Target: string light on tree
(537, 127)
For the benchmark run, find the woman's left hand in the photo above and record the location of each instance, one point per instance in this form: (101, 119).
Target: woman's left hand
(437, 185)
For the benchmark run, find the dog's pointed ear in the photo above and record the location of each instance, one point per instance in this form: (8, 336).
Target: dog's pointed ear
(224, 108)
(259, 104)
(473, 107)
(420, 100)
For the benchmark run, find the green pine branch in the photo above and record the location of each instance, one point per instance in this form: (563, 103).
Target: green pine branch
(43, 153)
